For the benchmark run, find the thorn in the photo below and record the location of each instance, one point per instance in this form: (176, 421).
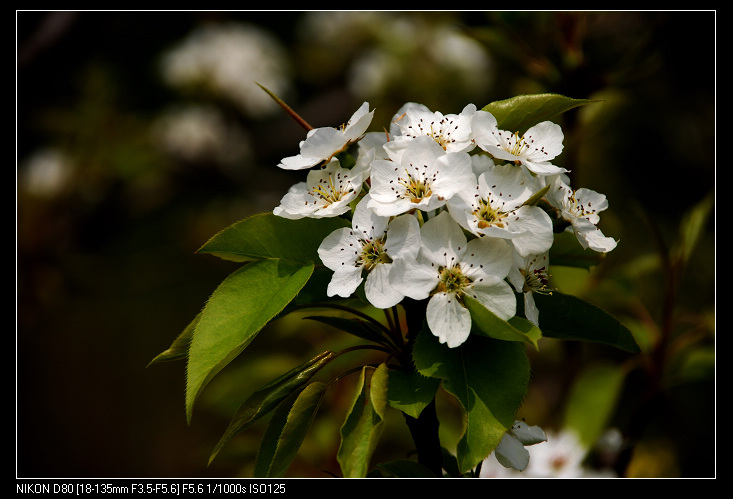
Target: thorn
(287, 109)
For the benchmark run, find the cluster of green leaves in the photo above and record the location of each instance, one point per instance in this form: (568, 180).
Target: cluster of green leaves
(280, 272)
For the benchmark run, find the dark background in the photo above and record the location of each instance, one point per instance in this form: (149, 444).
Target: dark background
(109, 212)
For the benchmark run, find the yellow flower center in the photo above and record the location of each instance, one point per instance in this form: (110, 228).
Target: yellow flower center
(452, 280)
(415, 188)
(488, 216)
(373, 253)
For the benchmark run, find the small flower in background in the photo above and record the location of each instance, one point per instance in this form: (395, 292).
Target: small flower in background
(371, 245)
(561, 456)
(534, 150)
(46, 173)
(200, 133)
(322, 144)
(448, 268)
(441, 56)
(580, 208)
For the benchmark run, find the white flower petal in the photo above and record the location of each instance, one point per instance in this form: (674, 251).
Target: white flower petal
(453, 171)
(595, 240)
(298, 162)
(545, 141)
(531, 313)
(499, 298)
(339, 248)
(344, 281)
(403, 237)
(293, 202)
(443, 242)
(421, 151)
(526, 434)
(448, 319)
(534, 228)
(543, 168)
(368, 223)
(507, 183)
(484, 128)
(358, 124)
(511, 453)
(322, 143)
(413, 279)
(487, 258)
(378, 288)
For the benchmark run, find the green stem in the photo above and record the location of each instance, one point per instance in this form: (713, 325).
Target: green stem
(424, 429)
(344, 308)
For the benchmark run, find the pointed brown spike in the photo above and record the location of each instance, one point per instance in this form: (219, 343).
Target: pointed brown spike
(287, 109)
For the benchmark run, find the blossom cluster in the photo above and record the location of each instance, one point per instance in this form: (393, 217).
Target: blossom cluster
(443, 207)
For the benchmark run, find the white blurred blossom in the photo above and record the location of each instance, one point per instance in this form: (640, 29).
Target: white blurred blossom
(382, 49)
(561, 456)
(227, 60)
(200, 133)
(45, 173)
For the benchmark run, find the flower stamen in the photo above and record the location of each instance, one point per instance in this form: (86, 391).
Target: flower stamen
(415, 188)
(452, 280)
(373, 253)
(536, 280)
(488, 216)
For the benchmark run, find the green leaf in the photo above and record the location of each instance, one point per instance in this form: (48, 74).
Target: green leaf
(488, 324)
(569, 318)
(566, 251)
(519, 113)
(268, 236)
(692, 227)
(237, 310)
(357, 327)
(537, 196)
(488, 377)
(286, 431)
(179, 348)
(592, 400)
(269, 396)
(316, 290)
(363, 425)
(410, 392)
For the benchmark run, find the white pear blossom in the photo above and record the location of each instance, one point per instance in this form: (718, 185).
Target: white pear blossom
(424, 178)
(327, 192)
(580, 208)
(534, 150)
(321, 144)
(495, 207)
(451, 131)
(371, 245)
(528, 276)
(447, 269)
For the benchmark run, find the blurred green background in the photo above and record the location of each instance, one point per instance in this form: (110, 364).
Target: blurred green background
(141, 134)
